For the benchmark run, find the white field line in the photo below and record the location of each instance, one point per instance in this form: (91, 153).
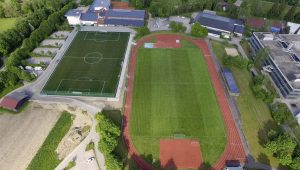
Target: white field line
(103, 87)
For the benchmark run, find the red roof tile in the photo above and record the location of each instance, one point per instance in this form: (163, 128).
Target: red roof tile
(9, 103)
(256, 22)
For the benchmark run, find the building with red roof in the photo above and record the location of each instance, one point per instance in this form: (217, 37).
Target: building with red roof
(14, 101)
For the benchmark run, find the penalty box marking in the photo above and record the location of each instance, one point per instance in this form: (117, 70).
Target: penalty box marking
(98, 40)
(76, 80)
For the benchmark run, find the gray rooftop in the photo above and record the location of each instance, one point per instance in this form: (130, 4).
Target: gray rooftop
(129, 14)
(100, 3)
(17, 96)
(285, 52)
(73, 13)
(219, 22)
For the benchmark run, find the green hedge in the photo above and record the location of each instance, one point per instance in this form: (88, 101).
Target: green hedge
(110, 134)
(46, 158)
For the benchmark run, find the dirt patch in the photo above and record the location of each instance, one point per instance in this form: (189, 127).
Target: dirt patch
(167, 41)
(24, 133)
(78, 131)
(180, 153)
(120, 5)
(231, 52)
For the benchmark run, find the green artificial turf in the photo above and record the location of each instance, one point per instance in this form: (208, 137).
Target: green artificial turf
(7, 23)
(173, 96)
(91, 66)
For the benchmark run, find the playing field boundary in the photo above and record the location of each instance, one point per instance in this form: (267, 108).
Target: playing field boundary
(93, 58)
(234, 150)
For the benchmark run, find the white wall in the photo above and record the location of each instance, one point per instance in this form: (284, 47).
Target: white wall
(74, 20)
(88, 22)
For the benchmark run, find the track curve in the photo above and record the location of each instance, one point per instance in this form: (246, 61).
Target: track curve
(233, 151)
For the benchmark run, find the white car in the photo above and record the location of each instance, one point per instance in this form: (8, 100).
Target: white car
(91, 159)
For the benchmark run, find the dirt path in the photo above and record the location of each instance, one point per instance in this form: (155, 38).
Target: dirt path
(22, 134)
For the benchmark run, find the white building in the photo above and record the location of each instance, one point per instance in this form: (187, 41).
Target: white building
(73, 16)
(100, 13)
(294, 28)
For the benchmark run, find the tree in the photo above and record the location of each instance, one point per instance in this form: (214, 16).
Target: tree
(260, 57)
(296, 163)
(233, 11)
(279, 112)
(275, 11)
(290, 14)
(199, 31)
(177, 27)
(142, 32)
(244, 10)
(282, 147)
(256, 8)
(2, 14)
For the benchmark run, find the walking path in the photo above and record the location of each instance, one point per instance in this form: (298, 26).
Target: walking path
(234, 148)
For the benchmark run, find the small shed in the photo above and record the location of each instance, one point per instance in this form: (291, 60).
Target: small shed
(14, 101)
(230, 82)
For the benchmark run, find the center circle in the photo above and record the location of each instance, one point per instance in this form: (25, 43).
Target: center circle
(93, 58)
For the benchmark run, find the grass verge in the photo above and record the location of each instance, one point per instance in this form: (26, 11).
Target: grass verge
(46, 157)
(255, 114)
(7, 23)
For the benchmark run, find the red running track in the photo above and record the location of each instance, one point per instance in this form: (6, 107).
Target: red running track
(234, 150)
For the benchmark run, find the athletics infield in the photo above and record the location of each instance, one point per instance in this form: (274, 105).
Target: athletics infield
(155, 145)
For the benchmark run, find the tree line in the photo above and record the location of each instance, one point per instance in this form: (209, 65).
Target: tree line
(17, 43)
(256, 8)
(165, 8)
(110, 134)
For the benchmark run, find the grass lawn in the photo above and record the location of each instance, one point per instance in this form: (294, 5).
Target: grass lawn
(91, 65)
(46, 157)
(255, 114)
(7, 23)
(173, 95)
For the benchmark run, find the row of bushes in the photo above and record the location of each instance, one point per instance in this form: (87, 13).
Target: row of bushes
(260, 91)
(284, 148)
(12, 38)
(110, 134)
(46, 158)
(237, 61)
(177, 27)
(17, 57)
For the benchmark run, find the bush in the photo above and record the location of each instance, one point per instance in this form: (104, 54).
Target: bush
(143, 31)
(237, 61)
(177, 27)
(110, 134)
(90, 146)
(199, 31)
(280, 112)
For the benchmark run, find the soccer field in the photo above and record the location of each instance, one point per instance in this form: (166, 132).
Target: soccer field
(91, 66)
(173, 97)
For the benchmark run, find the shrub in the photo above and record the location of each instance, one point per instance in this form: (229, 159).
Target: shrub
(199, 31)
(110, 134)
(177, 27)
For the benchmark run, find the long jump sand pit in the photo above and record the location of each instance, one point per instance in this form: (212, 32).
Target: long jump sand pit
(180, 153)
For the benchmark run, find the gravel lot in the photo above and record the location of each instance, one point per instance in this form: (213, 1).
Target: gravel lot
(22, 134)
